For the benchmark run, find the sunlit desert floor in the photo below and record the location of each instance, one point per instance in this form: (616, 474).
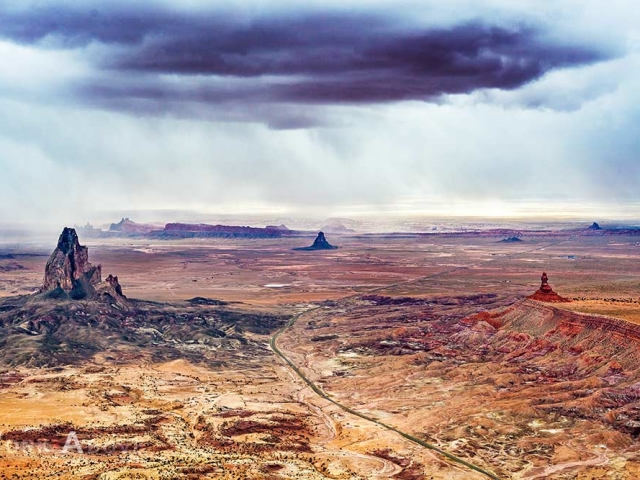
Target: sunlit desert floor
(465, 363)
(177, 420)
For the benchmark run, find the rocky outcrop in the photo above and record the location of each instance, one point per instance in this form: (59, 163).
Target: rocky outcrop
(320, 243)
(113, 282)
(69, 275)
(545, 293)
(68, 268)
(595, 226)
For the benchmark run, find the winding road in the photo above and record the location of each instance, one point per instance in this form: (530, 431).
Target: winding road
(321, 393)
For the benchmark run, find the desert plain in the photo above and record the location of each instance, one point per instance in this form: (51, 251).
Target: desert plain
(431, 335)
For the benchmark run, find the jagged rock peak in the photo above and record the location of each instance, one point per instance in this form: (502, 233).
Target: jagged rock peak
(68, 267)
(68, 241)
(112, 281)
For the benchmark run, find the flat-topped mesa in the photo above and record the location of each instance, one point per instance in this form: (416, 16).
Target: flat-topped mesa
(545, 293)
(320, 243)
(68, 267)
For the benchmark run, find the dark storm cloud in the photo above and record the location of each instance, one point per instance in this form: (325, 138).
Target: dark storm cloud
(77, 27)
(113, 102)
(329, 58)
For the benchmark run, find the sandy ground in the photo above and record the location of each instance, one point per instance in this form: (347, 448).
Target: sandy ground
(155, 421)
(177, 419)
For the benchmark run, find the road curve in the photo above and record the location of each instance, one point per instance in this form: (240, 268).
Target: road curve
(323, 394)
(273, 344)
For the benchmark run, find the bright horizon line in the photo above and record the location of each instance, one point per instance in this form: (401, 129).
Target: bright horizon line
(491, 211)
(413, 207)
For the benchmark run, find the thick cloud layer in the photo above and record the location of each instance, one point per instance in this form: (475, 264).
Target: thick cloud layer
(330, 107)
(315, 57)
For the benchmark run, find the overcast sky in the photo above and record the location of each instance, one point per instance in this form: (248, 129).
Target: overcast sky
(331, 108)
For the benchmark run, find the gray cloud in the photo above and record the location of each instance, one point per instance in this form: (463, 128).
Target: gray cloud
(317, 58)
(327, 110)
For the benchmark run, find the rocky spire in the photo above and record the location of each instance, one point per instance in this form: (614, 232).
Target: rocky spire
(545, 293)
(544, 286)
(113, 282)
(320, 243)
(68, 267)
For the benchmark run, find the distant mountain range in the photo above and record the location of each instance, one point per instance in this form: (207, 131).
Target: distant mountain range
(171, 231)
(128, 228)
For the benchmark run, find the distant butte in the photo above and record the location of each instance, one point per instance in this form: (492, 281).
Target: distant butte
(128, 226)
(320, 243)
(546, 294)
(281, 227)
(595, 226)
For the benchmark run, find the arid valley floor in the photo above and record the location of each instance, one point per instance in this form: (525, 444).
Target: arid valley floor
(430, 334)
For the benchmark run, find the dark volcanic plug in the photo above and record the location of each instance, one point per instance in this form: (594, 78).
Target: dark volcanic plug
(320, 243)
(68, 273)
(68, 268)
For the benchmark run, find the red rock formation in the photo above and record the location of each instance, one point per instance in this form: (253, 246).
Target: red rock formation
(68, 273)
(615, 368)
(546, 294)
(68, 266)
